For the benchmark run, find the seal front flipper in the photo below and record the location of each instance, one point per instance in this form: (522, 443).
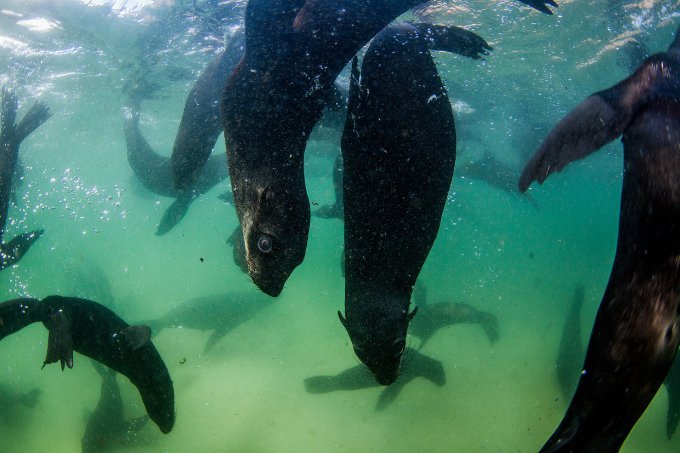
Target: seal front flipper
(60, 339)
(591, 125)
(541, 5)
(14, 250)
(453, 39)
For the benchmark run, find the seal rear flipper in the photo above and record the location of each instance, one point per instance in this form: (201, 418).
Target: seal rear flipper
(34, 118)
(175, 212)
(588, 127)
(453, 39)
(60, 340)
(12, 251)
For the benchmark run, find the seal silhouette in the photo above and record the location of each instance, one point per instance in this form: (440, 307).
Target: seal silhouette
(399, 152)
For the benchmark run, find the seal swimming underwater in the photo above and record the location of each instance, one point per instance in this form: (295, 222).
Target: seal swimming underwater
(201, 121)
(294, 52)
(106, 427)
(11, 137)
(220, 313)
(155, 173)
(95, 331)
(398, 154)
(636, 333)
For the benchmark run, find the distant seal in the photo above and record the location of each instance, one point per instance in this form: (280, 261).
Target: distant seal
(399, 152)
(294, 52)
(220, 313)
(107, 427)
(11, 137)
(432, 317)
(636, 333)
(96, 332)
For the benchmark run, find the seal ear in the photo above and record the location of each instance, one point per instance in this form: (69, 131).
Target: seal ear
(342, 319)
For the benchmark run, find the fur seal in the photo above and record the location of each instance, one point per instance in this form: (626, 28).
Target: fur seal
(106, 427)
(95, 331)
(220, 313)
(155, 173)
(398, 154)
(432, 317)
(294, 52)
(201, 121)
(11, 137)
(636, 333)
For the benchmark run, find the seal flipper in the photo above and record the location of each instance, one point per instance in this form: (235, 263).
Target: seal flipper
(453, 39)
(15, 249)
(60, 340)
(135, 337)
(591, 125)
(175, 212)
(541, 5)
(34, 118)
(213, 339)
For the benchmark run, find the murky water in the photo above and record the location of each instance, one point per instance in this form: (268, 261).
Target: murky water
(515, 256)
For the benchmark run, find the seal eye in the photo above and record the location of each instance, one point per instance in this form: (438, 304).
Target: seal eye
(265, 243)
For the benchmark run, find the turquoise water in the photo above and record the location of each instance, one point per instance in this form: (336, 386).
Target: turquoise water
(518, 258)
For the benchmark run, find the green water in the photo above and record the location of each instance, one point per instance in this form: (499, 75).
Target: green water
(517, 258)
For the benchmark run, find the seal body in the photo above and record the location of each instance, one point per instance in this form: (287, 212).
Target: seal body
(399, 150)
(636, 333)
(96, 332)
